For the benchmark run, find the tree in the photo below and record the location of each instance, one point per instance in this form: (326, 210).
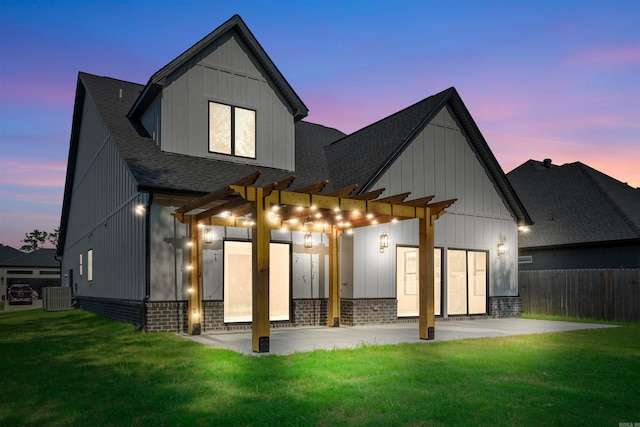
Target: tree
(36, 240)
(53, 237)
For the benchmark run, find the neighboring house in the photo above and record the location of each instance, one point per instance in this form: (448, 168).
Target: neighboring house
(581, 257)
(38, 268)
(583, 218)
(146, 162)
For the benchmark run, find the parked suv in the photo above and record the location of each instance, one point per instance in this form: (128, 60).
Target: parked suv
(20, 293)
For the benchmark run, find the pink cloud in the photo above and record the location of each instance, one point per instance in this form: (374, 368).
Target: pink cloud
(29, 173)
(606, 57)
(40, 91)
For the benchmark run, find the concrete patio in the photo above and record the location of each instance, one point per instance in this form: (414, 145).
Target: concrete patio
(285, 341)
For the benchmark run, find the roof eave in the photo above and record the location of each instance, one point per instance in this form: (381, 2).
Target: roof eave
(489, 159)
(71, 163)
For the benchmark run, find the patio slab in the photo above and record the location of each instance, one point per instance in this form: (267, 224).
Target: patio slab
(303, 339)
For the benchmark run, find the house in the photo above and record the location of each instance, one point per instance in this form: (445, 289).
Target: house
(203, 201)
(581, 257)
(583, 218)
(38, 268)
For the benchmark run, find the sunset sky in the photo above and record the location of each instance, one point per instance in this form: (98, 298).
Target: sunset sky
(542, 79)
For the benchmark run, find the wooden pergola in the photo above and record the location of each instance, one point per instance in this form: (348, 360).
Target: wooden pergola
(273, 207)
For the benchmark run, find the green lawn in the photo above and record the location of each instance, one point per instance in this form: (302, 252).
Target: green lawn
(75, 368)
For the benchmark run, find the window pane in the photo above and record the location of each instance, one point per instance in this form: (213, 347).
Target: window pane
(456, 282)
(90, 265)
(80, 265)
(437, 279)
(407, 281)
(238, 282)
(219, 128)
(407, 273)
(477, 282)
(245, 132)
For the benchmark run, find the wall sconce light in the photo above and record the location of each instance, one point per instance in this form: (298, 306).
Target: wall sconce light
(308, 240)
(207, 235)
(502, 249)
(384, 241)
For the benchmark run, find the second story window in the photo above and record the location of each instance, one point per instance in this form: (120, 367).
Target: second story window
(232, 130)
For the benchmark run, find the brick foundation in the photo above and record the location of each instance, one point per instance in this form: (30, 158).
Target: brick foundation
(310, 312)
(505, 306)
(368, 311)
(124, 311)
(166, 316)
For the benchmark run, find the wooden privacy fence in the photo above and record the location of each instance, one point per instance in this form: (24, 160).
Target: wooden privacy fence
(608, 294)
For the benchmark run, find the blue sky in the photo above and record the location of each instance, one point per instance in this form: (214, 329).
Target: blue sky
(542, 79)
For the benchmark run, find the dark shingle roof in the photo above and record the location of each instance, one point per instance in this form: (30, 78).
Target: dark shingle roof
(38, 258)
(575, 204)
(156, 170)
(362, 157)
(376, 145)
(7, 252)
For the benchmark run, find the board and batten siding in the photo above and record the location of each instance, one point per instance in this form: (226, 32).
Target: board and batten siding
(441, 162)
(150, 119)
(102, 217)
(225, 72)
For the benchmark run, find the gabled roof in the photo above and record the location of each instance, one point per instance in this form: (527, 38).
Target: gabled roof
(375, 147)
(575, 204)
(39, 258)
(238, 26)
(155, 170)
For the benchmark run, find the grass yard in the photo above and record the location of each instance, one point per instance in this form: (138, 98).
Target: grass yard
(74, 368)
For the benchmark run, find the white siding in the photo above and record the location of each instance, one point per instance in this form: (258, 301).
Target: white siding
(102, 216)
(440, 162)
(225, 72)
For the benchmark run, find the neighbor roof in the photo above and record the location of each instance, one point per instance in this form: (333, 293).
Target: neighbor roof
(38, 258)
(7, 252)
(236, 25)
(575, 204)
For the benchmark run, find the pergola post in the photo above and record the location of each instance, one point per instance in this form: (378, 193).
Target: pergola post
(334, 278)
(260, 239)
(426, 310)
(194, 314)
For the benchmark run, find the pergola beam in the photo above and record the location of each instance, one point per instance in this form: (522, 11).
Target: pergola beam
(360, 211)
(217, 195)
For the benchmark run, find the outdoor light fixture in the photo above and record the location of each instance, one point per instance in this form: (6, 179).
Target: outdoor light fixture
(384, 241)
(207, 235)
(308, 240)
(139, 209)
(502, 249)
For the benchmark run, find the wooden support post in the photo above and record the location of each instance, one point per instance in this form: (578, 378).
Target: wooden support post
(426, 310)
(334, 278)
(260, 237)
(194, 314)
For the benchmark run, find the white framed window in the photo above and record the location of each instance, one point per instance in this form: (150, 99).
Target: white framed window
(232, 130)
(238, 289)
(90, 265)
(81, 267)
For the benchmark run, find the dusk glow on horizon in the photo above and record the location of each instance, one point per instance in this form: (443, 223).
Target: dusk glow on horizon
(542, 79)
